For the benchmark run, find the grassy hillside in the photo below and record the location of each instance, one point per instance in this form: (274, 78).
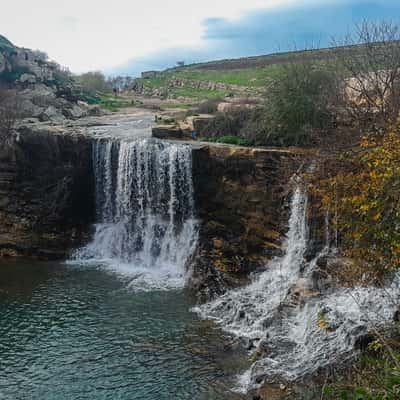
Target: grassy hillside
(252, 74)
(250, 79)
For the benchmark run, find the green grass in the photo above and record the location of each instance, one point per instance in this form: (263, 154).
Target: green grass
(250, 77)
(240, 141)
(199, 94)
(256, 79)
(114, 103)
(183, 106)
(253, 78)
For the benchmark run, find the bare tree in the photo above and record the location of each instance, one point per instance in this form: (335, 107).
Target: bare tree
(370, 61)
(9, 111)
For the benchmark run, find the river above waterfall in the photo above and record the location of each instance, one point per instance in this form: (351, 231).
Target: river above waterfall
(73, 332)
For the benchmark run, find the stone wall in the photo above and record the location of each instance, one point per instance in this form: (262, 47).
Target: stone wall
(242, 202)
(46, 193)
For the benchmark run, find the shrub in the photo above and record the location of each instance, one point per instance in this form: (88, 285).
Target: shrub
(94, 81)
(226, 124)
(299, 103)
(299, 106)
(365, 199)
(209, 106)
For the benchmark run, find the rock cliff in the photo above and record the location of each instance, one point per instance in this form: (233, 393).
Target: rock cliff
(241, 200)
(46, 192)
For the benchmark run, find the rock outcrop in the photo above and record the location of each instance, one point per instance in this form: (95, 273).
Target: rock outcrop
(240, 196)
(43, 90)
(46, 187)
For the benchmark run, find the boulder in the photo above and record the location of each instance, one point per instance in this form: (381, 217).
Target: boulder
(167, 132)
(27, 78)
(52, 114)
(229, 107)
(74, 112)
(28, 109)
(196, 123)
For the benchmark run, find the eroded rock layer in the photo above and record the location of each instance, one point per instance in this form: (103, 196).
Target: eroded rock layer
(241, 200)
(46, 192)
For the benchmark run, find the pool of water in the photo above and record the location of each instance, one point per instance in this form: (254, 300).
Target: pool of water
(72, 332)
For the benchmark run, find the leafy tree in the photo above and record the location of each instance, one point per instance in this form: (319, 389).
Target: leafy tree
(364, 195)
(94, 81)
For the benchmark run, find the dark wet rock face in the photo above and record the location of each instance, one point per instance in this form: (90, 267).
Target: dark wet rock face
(46, 187)
(240, 196)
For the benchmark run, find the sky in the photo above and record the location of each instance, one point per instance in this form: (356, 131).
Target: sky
(130, 36)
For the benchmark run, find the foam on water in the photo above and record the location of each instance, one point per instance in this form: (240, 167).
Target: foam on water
(265, 313)
(245, 311)
(146, 226)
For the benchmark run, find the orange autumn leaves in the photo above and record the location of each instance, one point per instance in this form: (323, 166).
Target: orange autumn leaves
(366, 203)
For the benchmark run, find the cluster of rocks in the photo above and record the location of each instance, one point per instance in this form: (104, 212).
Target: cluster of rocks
(170, 128)
(44, 103)
(43, 90)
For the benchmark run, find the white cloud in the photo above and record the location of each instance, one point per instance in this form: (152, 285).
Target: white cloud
(93, 34)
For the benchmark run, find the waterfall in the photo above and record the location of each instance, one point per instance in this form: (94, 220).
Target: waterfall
(245, 312)
(145, 210)
(288, 333)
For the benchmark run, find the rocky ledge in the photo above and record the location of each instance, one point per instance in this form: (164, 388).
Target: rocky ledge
(241, 200)
(46, 192)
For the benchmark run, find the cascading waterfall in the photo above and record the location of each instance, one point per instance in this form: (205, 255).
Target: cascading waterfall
(246, 311)
(145, 210)
(266, 315)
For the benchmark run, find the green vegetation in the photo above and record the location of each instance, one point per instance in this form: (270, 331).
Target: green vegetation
(240, 141)
(93, 81)
(227, 124)
(199, 94)
(374, 376)
(249, 77)
(378, 379)
(209, 106)
(5, 44)
(114, 103)
(183, 106)
(162, 83)
(299, 103)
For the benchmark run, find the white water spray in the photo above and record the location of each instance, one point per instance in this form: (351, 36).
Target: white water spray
(145, 210)
(294, 344)
(246, 311)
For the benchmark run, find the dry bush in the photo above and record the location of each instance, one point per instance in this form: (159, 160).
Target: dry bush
(372, 70)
